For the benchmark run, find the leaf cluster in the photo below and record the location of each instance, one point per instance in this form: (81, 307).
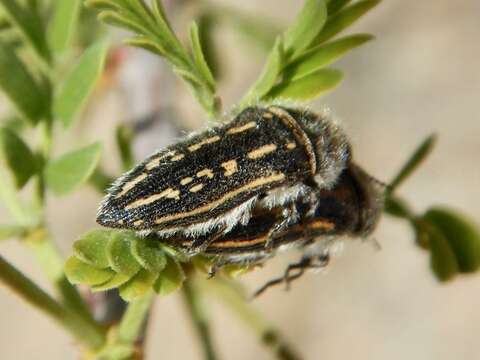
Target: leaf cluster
(154, 33)
(451, 238)
(45, 90)
(106, 259)
(297, 67)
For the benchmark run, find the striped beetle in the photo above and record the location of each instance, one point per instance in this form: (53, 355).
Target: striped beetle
(209, 182)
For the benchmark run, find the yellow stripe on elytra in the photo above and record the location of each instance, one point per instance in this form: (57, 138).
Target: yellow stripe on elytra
(231, 167)
(156, 161)
(261, 151)
(239, 129)
(177, 157)
(291, 145)
(186, 181)
(168, 193)
(207, 141)
(322, 225)
(131, 184)
(205, 172)
(239, 243)
(196, 188)
(230, 195)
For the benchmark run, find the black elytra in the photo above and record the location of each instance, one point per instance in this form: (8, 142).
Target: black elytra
(209, 174)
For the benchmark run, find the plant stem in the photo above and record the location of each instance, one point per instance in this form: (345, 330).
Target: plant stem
(11, 201)
(397, 207)
(51, 261)
(83, 331)
(134, 319)
(193, 302)
(235, 300)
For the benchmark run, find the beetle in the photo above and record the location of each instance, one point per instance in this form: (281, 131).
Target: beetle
(209, 182)
(351, 208)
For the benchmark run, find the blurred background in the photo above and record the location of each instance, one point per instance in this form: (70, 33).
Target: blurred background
(421, 75)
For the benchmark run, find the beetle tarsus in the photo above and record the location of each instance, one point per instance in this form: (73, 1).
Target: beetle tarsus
(305, 263)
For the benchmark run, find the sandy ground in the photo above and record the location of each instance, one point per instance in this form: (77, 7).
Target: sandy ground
(421, 75)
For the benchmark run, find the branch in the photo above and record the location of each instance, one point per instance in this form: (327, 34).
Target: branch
(193, 302)
(90, 336)
(51, 261)
(235, 300)
(132, 324)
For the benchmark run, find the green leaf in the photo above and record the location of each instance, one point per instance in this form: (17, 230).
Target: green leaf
(70, 171)
(170, 279)
(138, 285)
(63, 24)
(119, 253)
(333, 6)
(116, 281)
(307, 87)
(124, 137)
(117, 351)
(79, 272)
(343, 19)
(307, 25)
(442, 257)
(199, 57)
(270, 74)
(30, 25)
(462, 235)
(323, 56)
(11, 231)
(20, 87)
(91, 248)
(18, 156)
(413, 162)
(206, 28)
(79, 83)
(148, 254)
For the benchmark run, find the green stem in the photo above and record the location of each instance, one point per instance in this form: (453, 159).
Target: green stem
(235, 300)
(397, 207)
(90, 336)
(51, 261)
(193, 302)
(132, 324)
(11, 201)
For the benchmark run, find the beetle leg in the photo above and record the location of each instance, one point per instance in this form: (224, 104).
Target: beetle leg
(289, 214)
(305, 263)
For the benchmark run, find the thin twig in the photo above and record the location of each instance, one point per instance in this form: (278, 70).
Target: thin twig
(196, 309)
(234, 299)
(51, 261)
(132, 325)
(91, 336)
